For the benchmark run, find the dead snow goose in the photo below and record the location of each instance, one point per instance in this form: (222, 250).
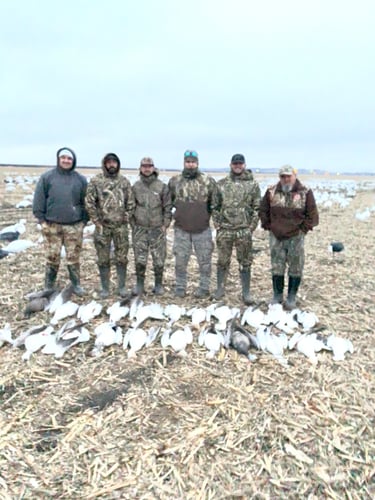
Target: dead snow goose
(64, 311)
(212, 339)
(6, 335)
(36, 341)
(339, 346)
(107, 334)
(178, 339)
(135, 339)
(87, 312)
(117, 311)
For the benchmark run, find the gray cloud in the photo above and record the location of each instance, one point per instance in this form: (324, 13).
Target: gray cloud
(281, 81)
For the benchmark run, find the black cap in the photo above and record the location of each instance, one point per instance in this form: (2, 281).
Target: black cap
(238, 158)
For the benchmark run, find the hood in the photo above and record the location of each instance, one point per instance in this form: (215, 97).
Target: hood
(73, 154)
(107, 157)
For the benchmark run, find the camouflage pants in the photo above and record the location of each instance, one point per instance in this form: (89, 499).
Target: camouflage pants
(119, 235)
(184, 243)
(242, 240)
(291, 252)
(153, 240)
(57, 235)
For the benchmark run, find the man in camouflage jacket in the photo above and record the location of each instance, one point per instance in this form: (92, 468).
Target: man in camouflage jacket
(193, 196)
(151, 219)
(288, 211)
(110, 204)
(235, 218)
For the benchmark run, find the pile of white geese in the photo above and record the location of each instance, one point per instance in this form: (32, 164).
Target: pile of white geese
(215, 328)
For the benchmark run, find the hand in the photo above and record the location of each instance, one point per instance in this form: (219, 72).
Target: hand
(98, 228)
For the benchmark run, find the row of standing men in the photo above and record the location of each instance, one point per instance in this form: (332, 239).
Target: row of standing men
(64, 201)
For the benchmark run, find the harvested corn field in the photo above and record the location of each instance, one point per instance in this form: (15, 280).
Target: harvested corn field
(165, 426)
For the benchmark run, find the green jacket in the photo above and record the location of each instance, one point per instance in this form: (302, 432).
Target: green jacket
(153, 206)
(238, 202)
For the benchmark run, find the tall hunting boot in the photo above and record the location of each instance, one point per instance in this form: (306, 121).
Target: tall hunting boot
(181, 278)
(50, 277)
(104, 281)
(158, 288)
(278, 289)
(220, 290)
(74, 275)
(204, 287)
(293, 285)
(140, 271)
(121, 279)
(245, 281)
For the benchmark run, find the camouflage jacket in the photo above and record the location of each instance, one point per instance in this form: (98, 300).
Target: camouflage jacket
(109, 200)
(238, 202)
(153, 206)
(194, 200)
(286, 214)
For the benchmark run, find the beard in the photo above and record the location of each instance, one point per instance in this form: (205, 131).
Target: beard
(238, 172)
(112, 170)
(190, 173)
(286, 188)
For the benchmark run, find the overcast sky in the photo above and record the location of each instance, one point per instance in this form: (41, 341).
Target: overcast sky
(281, 81)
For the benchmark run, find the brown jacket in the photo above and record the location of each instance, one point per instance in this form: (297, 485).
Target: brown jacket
(153, 206)
(286, 214)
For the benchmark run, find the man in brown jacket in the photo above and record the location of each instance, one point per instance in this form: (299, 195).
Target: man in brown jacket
(288, 211)
(150, 221)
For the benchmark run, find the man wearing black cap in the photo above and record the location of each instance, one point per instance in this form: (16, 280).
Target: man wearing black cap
(193, 196)
(59, 207)
(110, 205)
(288, 211)
(236, 217)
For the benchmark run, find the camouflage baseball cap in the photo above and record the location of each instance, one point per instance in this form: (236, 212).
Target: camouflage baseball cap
(147, 161)
(287, 170)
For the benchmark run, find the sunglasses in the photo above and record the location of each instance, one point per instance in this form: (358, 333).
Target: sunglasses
(187, 154)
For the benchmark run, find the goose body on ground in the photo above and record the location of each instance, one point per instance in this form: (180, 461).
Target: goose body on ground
(6, 335)
(36, 341)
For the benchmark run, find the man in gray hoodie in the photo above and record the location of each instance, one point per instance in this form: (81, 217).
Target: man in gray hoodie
(59, 207)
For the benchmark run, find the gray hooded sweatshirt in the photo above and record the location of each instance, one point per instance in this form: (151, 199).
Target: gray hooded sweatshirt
(60, 195)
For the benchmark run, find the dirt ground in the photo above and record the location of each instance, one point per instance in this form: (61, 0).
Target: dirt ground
(165, 427)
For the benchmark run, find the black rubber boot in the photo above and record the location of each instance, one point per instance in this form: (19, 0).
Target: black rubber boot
(75, 279)
(220, 290)
(293, 285)
(245, 280)
(158, 288)
(121, 279)
(201, 293)
(278, 289)
(140, 271)
(50, 277)
(104, 281)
